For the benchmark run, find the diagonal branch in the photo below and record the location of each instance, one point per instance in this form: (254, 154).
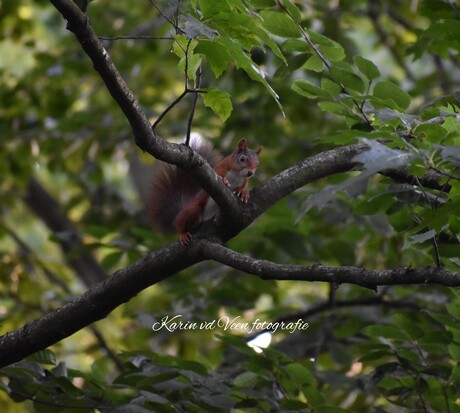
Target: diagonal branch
(96, 303)
(268, 270)
(318, 166)
(310, 169)
(180, 155)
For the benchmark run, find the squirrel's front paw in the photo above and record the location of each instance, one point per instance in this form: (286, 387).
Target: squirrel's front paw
(243, 195)
(226, 181)
(185, 238)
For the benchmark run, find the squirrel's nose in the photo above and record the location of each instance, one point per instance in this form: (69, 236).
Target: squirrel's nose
(250, 173)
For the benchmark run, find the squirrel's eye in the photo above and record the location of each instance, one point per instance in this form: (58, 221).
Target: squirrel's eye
(242, 158)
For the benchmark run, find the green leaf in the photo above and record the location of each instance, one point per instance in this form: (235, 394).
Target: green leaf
(333, 52)
(237, 343)
(246, 379)
(300, 374)
(335, 108)
(331, 87)
(182, 45)
(292, 10)
(314, 397)
(97, 231)
(279, 24)
(328, 47)
(293, 406)
(349, 80)
(388, 90)
(379, 203)
(375, 355)
(45, 357)
(454, 309)
(406, 324)
(454, 351)
(217, 56)
(210, 8)
(314, 63)
(456, 373)
(366, 67)
(433, 133)
(305, 88)
(219, 102)
(442, 34)
(243, 61)
(294, 62)
(387, 331)
(295, 45)
(112, 259)
(437, 219)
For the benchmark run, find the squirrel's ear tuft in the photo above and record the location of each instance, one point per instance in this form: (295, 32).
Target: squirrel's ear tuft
(242, 145)
(259, 150)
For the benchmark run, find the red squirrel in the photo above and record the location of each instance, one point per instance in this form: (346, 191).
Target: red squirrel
(178, 202)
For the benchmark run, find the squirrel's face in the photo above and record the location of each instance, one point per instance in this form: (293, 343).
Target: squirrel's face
(244, 163)
(239, 175)
(247, 164)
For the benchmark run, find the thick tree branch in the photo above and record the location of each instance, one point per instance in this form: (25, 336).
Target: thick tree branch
(310, 169)
(53, 278)
(180, 155)
(96, 303)
(336, 275)
(266, 195)
(431, 179)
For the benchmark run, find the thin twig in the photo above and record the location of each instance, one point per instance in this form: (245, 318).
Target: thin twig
(433, 206)
(329, 68)
(193, 109)
(434, 241)
(176, 27)
(186, 63)
(444, 187)
(450, 176)
(174, 103)
(186, 91)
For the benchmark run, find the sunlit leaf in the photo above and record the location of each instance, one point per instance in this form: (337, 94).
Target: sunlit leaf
(219, 102)
(279, 24)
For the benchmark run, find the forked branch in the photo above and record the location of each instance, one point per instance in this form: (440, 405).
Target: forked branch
(180, 155)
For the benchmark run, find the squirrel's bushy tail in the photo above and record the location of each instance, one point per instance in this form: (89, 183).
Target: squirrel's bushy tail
(173, 188)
